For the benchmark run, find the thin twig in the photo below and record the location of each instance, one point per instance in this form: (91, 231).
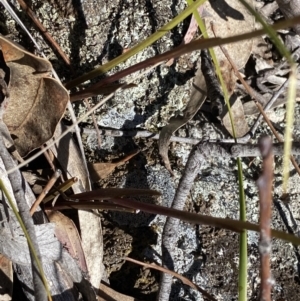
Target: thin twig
(233, 149)
(45, 191)
(267, 106)
(88, 205)
(48, 158)
(137, 134)
(180, 277)
(44, 31)
(295, 164)
(264, 184)
(17, 19)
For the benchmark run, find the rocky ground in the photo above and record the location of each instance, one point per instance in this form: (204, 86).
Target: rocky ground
(92, 33)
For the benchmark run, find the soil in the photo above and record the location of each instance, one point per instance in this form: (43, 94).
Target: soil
(93, 32)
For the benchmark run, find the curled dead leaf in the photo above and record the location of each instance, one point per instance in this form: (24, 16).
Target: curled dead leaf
(198, 96)
(36, 103)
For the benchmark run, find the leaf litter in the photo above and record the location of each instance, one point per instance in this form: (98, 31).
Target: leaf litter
(214, 209)
(36, 101)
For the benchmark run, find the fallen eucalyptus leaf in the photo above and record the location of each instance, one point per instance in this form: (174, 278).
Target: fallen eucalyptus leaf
(239, 121)
(100, 171)
(229, 18)
(70, 160)
(36, 101)
(226, 19)
(66, 232)
(16, 247)
(58, 265)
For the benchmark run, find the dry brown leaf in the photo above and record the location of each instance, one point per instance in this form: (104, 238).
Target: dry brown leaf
(6, 279)
(239, 121)
(100, 171)
(70, 160)
(197, 98)
(36, 103)
(105, 293)
(66, 232)
(229, 18)
(250, 108)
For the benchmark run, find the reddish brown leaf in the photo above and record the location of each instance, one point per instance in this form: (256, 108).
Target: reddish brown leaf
(100, 171)
(70, 160)
(66, 232)
(189, 34)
